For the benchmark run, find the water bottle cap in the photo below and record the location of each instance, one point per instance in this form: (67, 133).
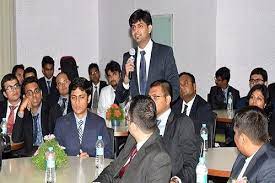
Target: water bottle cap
(203, 125)
(3, 119)
(99, 138)
(202, 160)
(50, 148)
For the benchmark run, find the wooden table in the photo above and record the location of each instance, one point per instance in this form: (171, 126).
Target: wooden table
(219, 161)
(223, 116)
(21, 170)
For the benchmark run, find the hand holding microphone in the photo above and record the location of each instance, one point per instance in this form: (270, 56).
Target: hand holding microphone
(129, 66)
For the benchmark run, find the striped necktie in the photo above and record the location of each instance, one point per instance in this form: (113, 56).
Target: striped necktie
(80, 131)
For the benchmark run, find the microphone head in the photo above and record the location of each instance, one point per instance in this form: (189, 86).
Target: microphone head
(132, 52)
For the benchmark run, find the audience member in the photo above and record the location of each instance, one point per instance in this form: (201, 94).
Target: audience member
(9, 107)
(143, 158)
(62, 104)
(48, 82)
(32, 124)
(18, 71)
(96, 85)
(107, 95)
(78, 130)
(153, 61)
(30, 72)
(219, 94)
(178, 134)
(256, 160)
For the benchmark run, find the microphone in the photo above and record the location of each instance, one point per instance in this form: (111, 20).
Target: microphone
(132, 52)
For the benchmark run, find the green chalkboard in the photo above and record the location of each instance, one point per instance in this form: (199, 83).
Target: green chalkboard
(163, 29)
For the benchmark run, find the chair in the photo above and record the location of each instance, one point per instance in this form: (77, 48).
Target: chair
(212, 131)
(111, 134)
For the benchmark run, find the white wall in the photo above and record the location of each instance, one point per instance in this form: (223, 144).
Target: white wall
(57, 28)
(246, 38)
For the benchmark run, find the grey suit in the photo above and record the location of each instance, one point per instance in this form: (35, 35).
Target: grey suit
(260, 169)
(152, 164)
(162, 66)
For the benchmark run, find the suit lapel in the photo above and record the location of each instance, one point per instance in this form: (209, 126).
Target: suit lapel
(169, 122)
(153, 65)
(73, 127)
(236, 170)
(193, 108)
(87, 128)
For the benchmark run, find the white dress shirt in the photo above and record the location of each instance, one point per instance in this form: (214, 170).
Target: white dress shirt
(247, 161)
(189, 104)
(163, 120)
(106, 99)
(51, 79)
(15, 110)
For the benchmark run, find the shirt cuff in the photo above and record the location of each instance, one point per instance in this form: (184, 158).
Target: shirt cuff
(126, 86)
(177, 178)
(20, 114)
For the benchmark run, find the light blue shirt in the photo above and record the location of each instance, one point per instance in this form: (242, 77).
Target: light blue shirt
(83, 119)
(163, 120)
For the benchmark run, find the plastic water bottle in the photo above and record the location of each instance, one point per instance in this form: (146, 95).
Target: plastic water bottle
(204, 136)
(201, 171)
(50, 175)
(230, 102)
(4, 126)
(99, 159)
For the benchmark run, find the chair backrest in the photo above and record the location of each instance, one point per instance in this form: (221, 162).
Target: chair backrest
(212, 131)
(111, 134)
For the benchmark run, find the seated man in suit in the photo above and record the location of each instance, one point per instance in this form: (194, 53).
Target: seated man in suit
(192, 104)
(256, 160)
(18, 71)
(151, 62)
(143, 158)
(107, 95)
(30, 72)
(9, 107)
(78, 130)
(257, 76)
(219, 94)
(47, 83)
(31, 123)
(178, 134)
(96, 85)
(62, 104)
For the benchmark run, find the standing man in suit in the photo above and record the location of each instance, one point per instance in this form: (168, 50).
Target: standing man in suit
(256, 160)
(143, 158)
(96, 85)
(62, 104)
(178, 134)
(152, 61)
(47, 83)
(78, 130)
(9, 107)
(219, 94)
(193, 105)
(32, 124)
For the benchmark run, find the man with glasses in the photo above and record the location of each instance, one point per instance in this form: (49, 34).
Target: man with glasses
(31, 125)
(8, 108)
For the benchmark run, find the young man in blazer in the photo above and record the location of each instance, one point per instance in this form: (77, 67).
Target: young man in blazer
(151, 62)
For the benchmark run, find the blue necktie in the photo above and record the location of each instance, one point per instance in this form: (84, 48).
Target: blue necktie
(35, 128)
(142, 73)
(49, 86)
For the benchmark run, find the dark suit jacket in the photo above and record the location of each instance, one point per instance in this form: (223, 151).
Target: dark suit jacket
(183, 146)
(216, 97)
(43, 86)
(152, 164)
(67, 135)
(23, 129)
(200, 112)
(56, 112)
(271, 90)
(260, 169)
(162, 66)
(102, 84)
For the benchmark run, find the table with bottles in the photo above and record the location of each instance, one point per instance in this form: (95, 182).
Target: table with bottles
(77, 170)
(224, 116)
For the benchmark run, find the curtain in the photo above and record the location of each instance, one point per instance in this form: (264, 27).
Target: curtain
(7, 36)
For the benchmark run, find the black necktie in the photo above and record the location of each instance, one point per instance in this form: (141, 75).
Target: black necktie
(95, 100)
(142, 73)
(185, 109)
(35, 128)
(49, 86)
(63, 105)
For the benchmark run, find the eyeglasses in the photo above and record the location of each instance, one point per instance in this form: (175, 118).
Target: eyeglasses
(93, 73)
(30, 93)
(14, 87)
(256, 80)
(156, 97)
(62, 82)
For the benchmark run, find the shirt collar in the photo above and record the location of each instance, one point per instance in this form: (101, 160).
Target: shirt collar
(78, 119)
(164, 116)
(97, 85)
(49, 79)
(140, 144)
(38, 110)
(190, 103)
(147, 48)
(9, 104)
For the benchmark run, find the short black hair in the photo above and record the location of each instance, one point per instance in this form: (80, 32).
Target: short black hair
(47, 60)
(14, 69)
(139, 15)
(7, 77)
(165, 86)
(142, 112)
(82, 83)
(112, 66)
(30, 69)
(188, 74)
(29, 80)
(91, 66)
(260, 71)
(224, 73)
(263, 89)
(252, 122)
